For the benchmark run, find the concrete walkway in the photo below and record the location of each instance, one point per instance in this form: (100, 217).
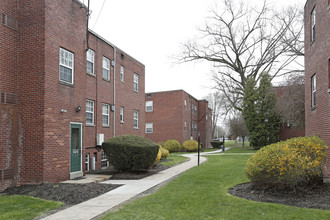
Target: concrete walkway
(131, 188)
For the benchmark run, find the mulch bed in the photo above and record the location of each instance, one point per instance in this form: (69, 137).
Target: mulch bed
(308, 197)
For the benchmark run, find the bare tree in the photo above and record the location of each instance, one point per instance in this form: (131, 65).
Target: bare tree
(237, 127)
(243, 41)
(216, 102)
(291, 100)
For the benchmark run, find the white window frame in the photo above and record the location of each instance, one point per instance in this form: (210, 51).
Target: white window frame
(90, 111)
(185, 126)
(106, 68)
(104, 159)
(105, 114)
(136, 82)
(90, 57)
(185, 104)
(314, 90)
(121, 114)
(122, 73)
(149, 128)
(67, 61)
(87, 162)
(149, 106)
(136, 119)
(196, 109)
(313, 22)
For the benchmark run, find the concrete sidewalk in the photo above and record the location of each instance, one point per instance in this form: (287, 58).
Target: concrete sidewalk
(131, 188)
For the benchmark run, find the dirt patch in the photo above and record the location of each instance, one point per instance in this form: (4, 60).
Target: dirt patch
(309, 197)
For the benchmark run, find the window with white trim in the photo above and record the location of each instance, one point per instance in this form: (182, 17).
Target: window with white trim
(106, 68)
(66, 66)
(89, 112)
(122, 73)
(196, 109)
(136, 119)
(314, 90)
(104, 160)
(122, 114)
(105, 114)
(185, 126)
(90, 61)
(149, 128)
(136, 82)
(185, 105)
(149, 106)
(313, 21)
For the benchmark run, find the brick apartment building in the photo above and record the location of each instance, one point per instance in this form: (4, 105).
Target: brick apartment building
(317, 72)
(63, 90)
(177, 115)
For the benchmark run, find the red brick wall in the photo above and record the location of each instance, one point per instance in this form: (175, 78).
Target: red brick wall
(169, 115)
(317, 62)
(9, 118)
(205, 123)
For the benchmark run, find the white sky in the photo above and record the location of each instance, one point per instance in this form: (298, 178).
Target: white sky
(152, 31)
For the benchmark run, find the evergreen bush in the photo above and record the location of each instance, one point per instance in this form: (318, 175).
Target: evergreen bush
(130, 152)
(216, 144)
(288, 164)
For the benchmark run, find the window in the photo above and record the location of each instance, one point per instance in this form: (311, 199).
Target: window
(90, 61)
(195, 127)
(185, 105)
(122, 73)
(149, 127)
(185, 126)
(89, 112)
(313, 90)
(104, 160)
(106, 68)
(136, 119)
(66, 66)
(313, 21)
(122, 114)
(149, 106)
(136, 82)
(86, 162)
(105, 114)
(195, 109)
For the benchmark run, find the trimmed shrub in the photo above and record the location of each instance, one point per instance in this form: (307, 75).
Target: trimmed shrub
(288, 164)
(130, 152)
(216, 144)
(165, 152)
(190, 145)
(159, 155)
(172, 145)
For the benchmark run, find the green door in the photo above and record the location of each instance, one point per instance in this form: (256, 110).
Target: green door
(75, 162)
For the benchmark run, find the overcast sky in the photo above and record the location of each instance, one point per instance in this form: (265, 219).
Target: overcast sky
(152, 31)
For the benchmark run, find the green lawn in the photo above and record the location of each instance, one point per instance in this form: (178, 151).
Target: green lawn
(201, 193)
(238, 147)
(24, 207)
(174, 159)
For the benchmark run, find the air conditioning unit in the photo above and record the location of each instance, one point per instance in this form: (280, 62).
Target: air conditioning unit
(99, 139)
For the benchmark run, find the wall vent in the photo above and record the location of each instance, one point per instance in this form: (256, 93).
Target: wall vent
(8, 98)
(9, 22)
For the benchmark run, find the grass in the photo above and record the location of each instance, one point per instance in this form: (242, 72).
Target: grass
(174, 159)
(24, 207)
(238, 147)
(202, 193)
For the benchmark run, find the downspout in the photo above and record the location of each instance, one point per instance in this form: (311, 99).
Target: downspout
(114, 91)
(87, 32)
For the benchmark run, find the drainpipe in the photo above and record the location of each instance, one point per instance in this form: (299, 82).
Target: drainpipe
(114, 91)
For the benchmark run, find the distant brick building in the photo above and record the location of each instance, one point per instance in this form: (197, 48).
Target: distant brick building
(317, 72)
(63, 90)
(177, 115)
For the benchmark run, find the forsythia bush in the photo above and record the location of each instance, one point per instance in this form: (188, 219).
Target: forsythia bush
(172, 145)
(288, 164)
(190, 145)
(164, 152)
(159, 155)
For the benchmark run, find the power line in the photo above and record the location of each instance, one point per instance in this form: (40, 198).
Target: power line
(99, 14)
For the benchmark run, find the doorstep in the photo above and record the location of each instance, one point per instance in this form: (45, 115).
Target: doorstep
(89, 178)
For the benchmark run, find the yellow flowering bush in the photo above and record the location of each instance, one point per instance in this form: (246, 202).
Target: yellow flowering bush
(190, 145)
(172, 145)
(288, 164)
(164, 152)
(159, 155)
